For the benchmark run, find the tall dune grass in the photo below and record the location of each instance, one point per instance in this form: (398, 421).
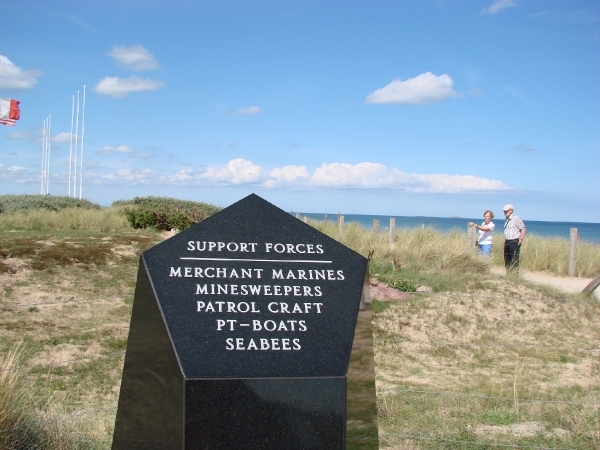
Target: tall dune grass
(429, 249)
(417, 249)
(12, 399)
(414, 248)
(540, 253)
(103, 220)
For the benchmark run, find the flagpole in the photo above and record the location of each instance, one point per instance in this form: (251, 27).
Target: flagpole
(82, 134)
(71, 143)
(43, 177)
(49, 145)
(76, 147)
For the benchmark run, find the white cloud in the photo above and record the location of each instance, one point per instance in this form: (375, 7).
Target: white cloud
(121, 149)
(498, 6)
(119, 87)
(134, 58)
(422, 89)
(13, 77)
(79, 22)
(453, 184)
(124, 150)
(33, 134)
(237, 171)
(367, 175)
(249, 111)
(361, 176)
(287, 175)
(364, 175)
(64, 138)
(20, 135)
(17, 174)
(125, 176)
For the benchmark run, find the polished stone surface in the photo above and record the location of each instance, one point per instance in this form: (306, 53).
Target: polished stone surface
(242, 334)
(266, 413)
(150, 411)
(361, 418)
(328, 308)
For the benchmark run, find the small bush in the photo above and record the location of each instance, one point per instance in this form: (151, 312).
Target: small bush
(167, 203)
(140, 218)
(163, 213)
(403, 285)
(24, 203)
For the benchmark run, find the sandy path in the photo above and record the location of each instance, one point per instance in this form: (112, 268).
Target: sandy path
(567, 284)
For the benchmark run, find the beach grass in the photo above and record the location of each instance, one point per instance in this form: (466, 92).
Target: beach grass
(104, 220)
(551, 254)
(455, 366)
(423, 249)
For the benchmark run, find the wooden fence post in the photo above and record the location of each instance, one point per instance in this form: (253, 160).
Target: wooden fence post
(376, 227)
(365, 297)
(392, 229)
(573, 253)
(340, 226)
(472, 236)
(297, 215)
(589, 289)
(305, 219)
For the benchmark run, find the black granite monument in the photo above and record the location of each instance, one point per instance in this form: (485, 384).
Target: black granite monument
(241, 337)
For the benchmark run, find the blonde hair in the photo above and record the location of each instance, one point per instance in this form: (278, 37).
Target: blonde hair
(490, 212)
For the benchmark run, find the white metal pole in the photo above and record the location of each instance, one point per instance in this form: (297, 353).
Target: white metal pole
(82, 133)
(43, 177)
(47, 159)
(49, 145)
(71, 143)
(76, 147)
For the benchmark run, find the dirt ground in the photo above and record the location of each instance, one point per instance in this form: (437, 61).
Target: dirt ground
(76, 332)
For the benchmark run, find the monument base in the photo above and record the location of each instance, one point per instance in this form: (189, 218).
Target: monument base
(267, 413)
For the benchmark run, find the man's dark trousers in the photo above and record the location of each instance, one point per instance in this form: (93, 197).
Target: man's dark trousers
(511, 254)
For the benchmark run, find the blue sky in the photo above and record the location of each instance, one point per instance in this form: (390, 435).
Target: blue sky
(428, 107)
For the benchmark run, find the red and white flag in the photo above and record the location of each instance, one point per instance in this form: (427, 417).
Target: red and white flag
(9, 111)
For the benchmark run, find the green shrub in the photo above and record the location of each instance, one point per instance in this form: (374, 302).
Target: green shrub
(169, 204)
(403, 285)
(140, 218)
(180, 221)
(163, 213)
(25, 203)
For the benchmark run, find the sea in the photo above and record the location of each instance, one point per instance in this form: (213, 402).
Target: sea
(587, 231)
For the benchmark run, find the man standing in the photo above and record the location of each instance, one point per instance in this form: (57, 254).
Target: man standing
(514, 233)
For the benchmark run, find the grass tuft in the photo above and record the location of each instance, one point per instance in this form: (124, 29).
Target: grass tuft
(12, 398)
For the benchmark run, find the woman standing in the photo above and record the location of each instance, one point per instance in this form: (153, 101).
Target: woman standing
(486, 233)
